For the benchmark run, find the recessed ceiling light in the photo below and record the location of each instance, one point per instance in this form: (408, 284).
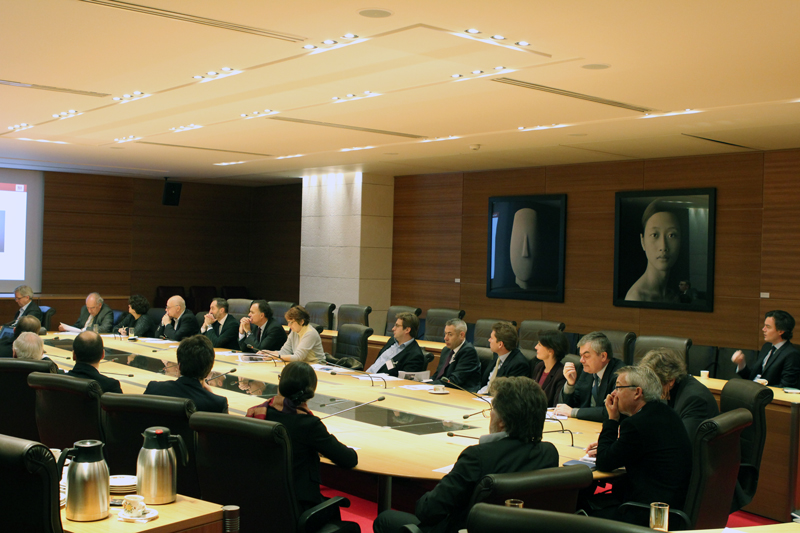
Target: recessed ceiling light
(57, 115)
(211, 73)
(328, 41)
(226, 69)
(243, 115)
(335, 98)
(456, 76)
(375, 13)
(521, 128)
(499, 68)
(268, 111)
(350, 95)
(687, 109)
(472, 30)
(309, 46)
(63, 113)
(349, 36)
(596, 66)
(198, 77)
(498, 37)
(72, 111)
(137, 92)
(477, 72)
(126, 96)
(366, 92)
(523, 43)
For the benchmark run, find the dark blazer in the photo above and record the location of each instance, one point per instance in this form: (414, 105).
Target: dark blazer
(445, 508)
(273, 338)
(185, 327)
(87, 371)
(310, 438)
(7, 347)
(465, 371)
(408, 360)
(516, 364)
(581, 396)
(142, 326)
(228, 337)
(31, 310)
(184, 387)
(783, 368)
(694, 404)
(553, 383)
(104, 319)
(655, 451)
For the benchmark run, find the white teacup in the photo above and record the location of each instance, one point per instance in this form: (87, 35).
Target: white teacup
(438, 388)
(134, 505)
(704, 373)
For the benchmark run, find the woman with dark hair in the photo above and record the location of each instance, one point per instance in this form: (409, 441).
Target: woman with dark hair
(303, 342)
(137, 317)
(548, 372)
(661, 242)
(308, 434)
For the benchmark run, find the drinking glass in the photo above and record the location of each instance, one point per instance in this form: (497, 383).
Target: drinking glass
(659, 516)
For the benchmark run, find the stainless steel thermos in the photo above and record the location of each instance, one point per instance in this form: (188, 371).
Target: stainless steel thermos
(87, 481)
(156, 478)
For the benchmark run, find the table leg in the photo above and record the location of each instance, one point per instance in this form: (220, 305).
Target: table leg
(384, 493)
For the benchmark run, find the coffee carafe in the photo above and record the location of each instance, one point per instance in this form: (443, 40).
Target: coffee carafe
(156, 478)
(87, 481)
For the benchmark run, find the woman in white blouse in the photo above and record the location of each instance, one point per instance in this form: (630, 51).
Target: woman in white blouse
(303, 343)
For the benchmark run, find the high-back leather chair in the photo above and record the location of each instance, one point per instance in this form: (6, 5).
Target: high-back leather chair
(279, 309)
(742, 393)
(352, 341)
(702, 358)
(391, 315)
(118, 316)
(239, 307)
(621, 343)
(67, 409)
(317, 327)
(165, 292)
(156, 314)
(483, 330)
(201, 296)
(228, 292)
(487, 518)
(126, 416)
(18, 399)
(435, 320)
(47, 316)
(725, 369)
(29, 493)
(263, 449)
(529, 333)
(645, 343)
(485, 356)
(353, 314)
(321, 313)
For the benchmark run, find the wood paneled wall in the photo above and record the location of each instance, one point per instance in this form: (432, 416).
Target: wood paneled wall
(756, 243)
(112, 235)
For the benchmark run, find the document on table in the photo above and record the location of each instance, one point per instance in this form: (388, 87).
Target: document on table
(417, 387)
(70, 329)
(386, 377)
(253, 358)
(150, 340)
(551, 416)
(483, 399)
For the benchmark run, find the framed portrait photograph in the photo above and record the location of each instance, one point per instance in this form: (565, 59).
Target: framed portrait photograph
(664, 249)
(526, 247)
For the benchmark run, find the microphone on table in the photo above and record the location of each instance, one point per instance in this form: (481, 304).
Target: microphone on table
(451, 434)
(447, 380)
(117, 374)
(231, 371)
(379, 399)
(332, 402)
(268, 358)
(371, 380)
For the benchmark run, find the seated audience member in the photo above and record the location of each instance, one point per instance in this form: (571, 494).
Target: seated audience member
(309, 436)
(401, 352)
(23, 296)
(259, 331)
(26, 323)
(651, 443)
(584, 397)
(513, 445)
(29, 346)
(548, 370)
(94, 313)
(459, 361)
(195, 361)
(778, 363)
(219, 326)
(137, 318)
(178, 322)
(686, 293)
(508, 360)
(87, 352)
(303, 343)
(692, 400)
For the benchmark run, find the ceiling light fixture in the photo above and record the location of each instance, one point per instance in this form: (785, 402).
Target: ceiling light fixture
(456, 76)
(309, 46)
(499, 68)
(126, 139)
(328, 41)
(185, 128)
(553, 126)
(213, 75)
(40, 140)
(498, 38)
(21, 126)
(125, 98)
(349, 36)
(477, 72)
(226, 69)
(259, 114)
(522, 43)
(335, 98)
(66, 114)
(351, 97)
(437, 139)
(472, 30)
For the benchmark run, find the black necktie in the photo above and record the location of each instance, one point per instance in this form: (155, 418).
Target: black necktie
(595, 387)
(767, 358)
(258, 335)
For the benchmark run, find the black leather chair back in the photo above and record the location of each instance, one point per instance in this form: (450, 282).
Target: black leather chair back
(702, 358)
(529, 334)
(391, 316)
(19, 400)
(200, 297)
(47, 317)
(725, 369)
(67, 409)
(483, 330)
(645, 343)
(353, 314)
(435, 320)
(622, 344)
(29, 490)
(321, 313)
(485, 356)
(126, 416)
(118, 316)
(237, 291)
(239, 306)
(156, 314)
(279, 310)
(317, 327)
(487, 518)
(165, 292)
(352, 341)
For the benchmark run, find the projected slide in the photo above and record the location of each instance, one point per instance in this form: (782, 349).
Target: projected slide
(13, 218)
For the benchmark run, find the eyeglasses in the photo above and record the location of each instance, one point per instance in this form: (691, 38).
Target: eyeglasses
(624, 386)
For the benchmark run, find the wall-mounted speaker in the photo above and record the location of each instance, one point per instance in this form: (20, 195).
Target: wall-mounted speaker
(172, 193)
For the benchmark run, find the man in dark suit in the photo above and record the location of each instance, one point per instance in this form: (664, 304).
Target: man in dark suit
(401, 352)
(459, 361)
(87, 352)
(195, 361)
(508, 360)
(23, 295)
(584, 396)
(25, 324)
(778, 363)
(651, 443)
(219, 326)
(692, 400)
(259, 330)
(178, 322)
(514, 444)
(94, 313)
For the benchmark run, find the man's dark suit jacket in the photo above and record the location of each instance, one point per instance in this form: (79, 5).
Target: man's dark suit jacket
(783, 368)
(553, 383)
(104, 319)
(184, 387)
(581, 396)
(228, 337)
(445, 508)
(655, 451)
(408, 360)
(516, 364)
(7, 346)
(87, 371)
(273, 338)
(185, 327)
(465, 371)
(31, 310)
(694, 404)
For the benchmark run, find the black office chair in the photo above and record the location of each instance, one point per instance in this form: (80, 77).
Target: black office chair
(165, 292)
(725, 369)
(47, 316)
(126, 416)
(239, 307)
(118, 316)
(18, 399)
(230, 292)
(156, 314)
(435, 321)
(485, 356)
(29, 493)
(622, 344)
(353, 314)
(201, 296)
(645, 343)
(352, 341)
(487, 518)
(391, 315)
(279, 309)
(317, 327)
(429, 357)
(529, 334)
(702, 358)
(263, 449)
(483, 330)
(321, 313)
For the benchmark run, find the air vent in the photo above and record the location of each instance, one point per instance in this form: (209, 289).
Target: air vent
(48, 88)
(345, 127)
(562, 92)
(184, 17)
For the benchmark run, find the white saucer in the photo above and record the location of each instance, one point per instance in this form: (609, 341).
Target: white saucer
(122, 481)
(149, 515)
(439, 391)
(790, 390)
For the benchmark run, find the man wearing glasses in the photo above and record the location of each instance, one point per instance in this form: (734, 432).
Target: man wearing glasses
(94, 313)
(178, 322)
(23, 295)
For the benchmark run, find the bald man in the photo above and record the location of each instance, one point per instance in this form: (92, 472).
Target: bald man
(94, 313)
(178, 322)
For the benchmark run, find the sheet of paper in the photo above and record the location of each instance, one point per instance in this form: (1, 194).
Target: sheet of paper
(483, 399)
(387, 377)
(417, 387)
(70, 329)
(149, 340)
(444, 469)
(552, 416)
